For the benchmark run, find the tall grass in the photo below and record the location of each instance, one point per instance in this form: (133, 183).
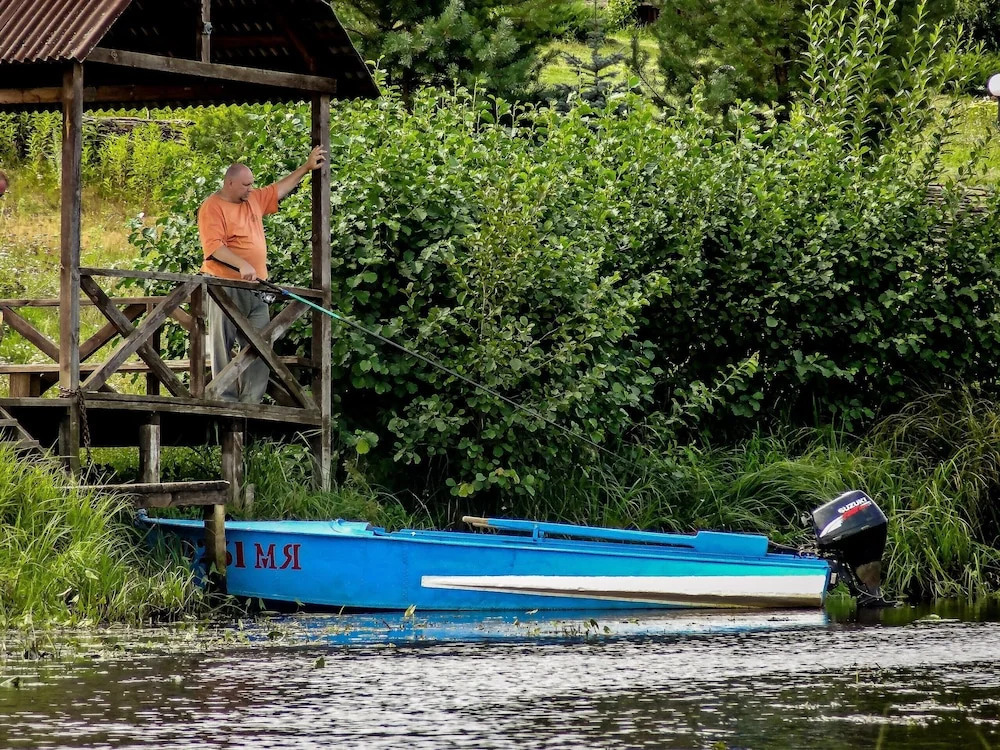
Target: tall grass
(934, 469)
(69, 557)
(282, 474)
(282, 478)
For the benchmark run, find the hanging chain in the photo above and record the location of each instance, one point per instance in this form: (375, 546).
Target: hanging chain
(77, 393)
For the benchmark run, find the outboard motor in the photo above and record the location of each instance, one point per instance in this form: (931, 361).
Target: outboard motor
(852, 531)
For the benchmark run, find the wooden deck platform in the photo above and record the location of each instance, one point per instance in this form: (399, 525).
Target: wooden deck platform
(116, 420)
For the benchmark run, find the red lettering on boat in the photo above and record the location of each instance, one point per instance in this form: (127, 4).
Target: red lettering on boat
(265, 559)
(291, 557)
(240, 562)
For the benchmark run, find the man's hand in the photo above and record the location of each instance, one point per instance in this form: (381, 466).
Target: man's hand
(316, 158)
(247, 272)
(288, 183)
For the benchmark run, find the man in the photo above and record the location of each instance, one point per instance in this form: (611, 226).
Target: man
(232, 231)
(4, 182)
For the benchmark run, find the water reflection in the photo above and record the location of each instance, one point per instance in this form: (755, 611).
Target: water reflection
(689, 680)
(534, 626)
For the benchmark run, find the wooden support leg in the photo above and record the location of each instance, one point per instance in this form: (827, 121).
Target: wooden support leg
(69, 438)
(321, 344)
(215, 516)
(153, 382)
(232, 462)
(215, 546)
(149, 451)
(25, 385)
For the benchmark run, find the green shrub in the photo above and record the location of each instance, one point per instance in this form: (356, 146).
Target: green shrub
(615, 268)
(601, 268)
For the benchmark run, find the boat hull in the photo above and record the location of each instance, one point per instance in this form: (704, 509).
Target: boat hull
(351, 565)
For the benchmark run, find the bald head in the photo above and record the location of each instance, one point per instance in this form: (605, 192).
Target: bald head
(237, 184)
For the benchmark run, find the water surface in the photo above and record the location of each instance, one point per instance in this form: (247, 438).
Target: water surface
(719, 680)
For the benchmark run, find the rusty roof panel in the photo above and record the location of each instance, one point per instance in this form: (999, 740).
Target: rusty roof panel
(53, 30)
(291, 36)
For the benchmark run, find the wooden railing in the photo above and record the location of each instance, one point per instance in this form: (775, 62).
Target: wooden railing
(135, 323)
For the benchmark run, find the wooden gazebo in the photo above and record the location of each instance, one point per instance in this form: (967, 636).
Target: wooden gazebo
(78, 54)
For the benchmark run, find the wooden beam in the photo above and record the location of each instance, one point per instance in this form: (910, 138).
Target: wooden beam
(321, 323)
(25, 384)
(165, 494)
(174, 405)
(55, 301)
(31, 97)
(233, 438)
(69, 255)
(215, 546)
(178, 365)
(46, 345)
(136, 338)
(149, 450)
(155, 341)
(254, 338)
(123, 273)
(235, 73)
(69, 436)
(108, 331)
(274, 330)
(182, 317)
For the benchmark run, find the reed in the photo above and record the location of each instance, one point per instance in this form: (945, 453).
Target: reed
(282, 477)
(934, 469)
(69, 557)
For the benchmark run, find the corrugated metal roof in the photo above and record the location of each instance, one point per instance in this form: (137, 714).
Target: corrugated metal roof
(54, 30)
(291, 36)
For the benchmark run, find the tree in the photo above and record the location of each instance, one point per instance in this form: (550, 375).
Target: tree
(981, 18)
(486, 43)
(749, 49)
(598, 77)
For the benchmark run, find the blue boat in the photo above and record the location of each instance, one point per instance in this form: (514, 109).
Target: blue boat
(528, 565)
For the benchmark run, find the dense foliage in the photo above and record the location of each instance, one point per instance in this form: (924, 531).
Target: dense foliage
(752, 49)
(612, 268)
(486, 43)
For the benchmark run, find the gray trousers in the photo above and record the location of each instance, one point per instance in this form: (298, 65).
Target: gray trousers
(222, 336)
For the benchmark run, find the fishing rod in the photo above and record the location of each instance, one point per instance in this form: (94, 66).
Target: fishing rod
(429, 360)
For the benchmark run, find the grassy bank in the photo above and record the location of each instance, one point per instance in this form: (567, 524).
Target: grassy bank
(70, 558)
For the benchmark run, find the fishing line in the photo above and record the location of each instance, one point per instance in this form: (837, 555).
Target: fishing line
(430, 361)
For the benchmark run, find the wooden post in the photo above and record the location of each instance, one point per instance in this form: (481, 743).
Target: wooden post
(215, 545)
(197, 383)
(152, 382)
(69, 437)
(69, 259)
(149, 451)
(215, 515)
(205, 33)
(232, 460)
(321, 324)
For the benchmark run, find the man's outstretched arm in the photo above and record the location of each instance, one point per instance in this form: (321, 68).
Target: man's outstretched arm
(288, 183)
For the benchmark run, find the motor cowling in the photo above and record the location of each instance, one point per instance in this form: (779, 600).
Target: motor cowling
(852, 531)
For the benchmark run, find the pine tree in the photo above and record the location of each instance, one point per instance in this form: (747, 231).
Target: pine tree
(489, 43)
(598, 78)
